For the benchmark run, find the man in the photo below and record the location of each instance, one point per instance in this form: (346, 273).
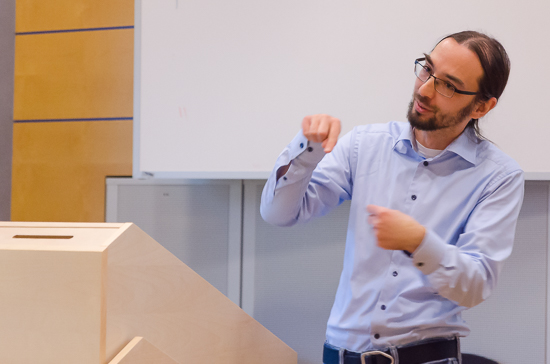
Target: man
(433, 208)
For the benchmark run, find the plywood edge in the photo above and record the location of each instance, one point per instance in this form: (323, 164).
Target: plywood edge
(100, 225)
(123, 227)
(42, 236)
(141, 351)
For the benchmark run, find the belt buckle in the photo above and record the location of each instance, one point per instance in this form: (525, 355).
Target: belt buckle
(376, 352)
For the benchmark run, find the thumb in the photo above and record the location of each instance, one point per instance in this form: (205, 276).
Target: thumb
(332, 138)
(374, 209)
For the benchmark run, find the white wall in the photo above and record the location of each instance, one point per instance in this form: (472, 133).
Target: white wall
(233, 79)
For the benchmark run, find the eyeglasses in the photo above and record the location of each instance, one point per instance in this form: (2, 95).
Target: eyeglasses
(443, 87)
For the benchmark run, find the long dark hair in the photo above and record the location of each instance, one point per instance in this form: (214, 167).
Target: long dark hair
(494, 61)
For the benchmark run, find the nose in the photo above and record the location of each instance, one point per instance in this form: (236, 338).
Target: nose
(427, 89)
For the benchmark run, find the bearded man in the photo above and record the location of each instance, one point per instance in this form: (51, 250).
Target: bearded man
(433, 212)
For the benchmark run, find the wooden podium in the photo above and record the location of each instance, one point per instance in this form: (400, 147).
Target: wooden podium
(108, 293)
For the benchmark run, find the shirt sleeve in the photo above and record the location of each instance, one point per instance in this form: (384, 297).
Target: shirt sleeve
(467, 272)
(315, 182)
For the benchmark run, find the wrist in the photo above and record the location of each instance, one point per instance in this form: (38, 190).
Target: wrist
(418, 237)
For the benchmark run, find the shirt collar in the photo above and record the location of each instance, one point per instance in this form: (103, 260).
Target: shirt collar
(465, 146)
(405, 141)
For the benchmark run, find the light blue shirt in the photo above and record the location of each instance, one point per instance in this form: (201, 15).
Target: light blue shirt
(468, 198)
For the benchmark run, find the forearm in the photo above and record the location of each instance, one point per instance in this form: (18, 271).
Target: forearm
(464, 277)
(285, 190)
(467, 272)
(281, 205)
(313, 183)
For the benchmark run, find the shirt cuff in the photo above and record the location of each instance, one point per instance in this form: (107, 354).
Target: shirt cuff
(428, 257)
(309, 153)
(302, 153)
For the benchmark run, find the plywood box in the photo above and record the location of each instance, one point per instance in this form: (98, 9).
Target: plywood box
(79, 293)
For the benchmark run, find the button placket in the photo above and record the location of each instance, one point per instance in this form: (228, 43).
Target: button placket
(412, 193)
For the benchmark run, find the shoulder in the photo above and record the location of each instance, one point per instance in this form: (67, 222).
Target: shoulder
(489, 153)
(374, 141)
(392, 131)
(497, 163)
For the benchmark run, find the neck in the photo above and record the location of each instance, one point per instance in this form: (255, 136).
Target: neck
(437, 139)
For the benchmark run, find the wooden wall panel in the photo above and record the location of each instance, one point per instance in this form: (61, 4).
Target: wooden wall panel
(7, 45)
(66, 69)
(59, 168)
(74, 75)
(41, 15)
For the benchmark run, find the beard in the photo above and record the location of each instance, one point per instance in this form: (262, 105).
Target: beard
(439, 120)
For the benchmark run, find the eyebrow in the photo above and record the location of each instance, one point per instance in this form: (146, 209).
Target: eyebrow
(450, 77)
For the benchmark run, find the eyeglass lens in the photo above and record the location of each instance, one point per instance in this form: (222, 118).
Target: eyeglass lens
(444, 88)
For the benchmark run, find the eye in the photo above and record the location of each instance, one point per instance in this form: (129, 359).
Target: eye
(449, 86)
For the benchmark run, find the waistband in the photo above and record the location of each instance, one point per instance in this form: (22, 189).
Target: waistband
(414, 353)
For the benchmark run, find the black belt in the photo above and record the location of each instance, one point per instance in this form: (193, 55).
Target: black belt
(422, 352)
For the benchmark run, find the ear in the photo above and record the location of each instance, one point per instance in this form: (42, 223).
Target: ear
(483, 108)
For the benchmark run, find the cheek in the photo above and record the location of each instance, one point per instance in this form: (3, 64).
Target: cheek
(447, 106)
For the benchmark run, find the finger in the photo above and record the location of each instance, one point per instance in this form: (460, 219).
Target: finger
(306, 122)
(373, 221)
(373, 209)
(310, 125)
(323, 127)
(332, 137)
(314, 126)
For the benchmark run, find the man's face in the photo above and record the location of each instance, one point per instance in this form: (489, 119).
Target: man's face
(456, 64)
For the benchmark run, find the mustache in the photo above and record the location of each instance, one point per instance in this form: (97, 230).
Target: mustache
(424, 101)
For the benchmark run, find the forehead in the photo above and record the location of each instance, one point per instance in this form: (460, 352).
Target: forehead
(454, 60)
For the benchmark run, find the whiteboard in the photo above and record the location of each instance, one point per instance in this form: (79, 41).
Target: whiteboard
(221, 86)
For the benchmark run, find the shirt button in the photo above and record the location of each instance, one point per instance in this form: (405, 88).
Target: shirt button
(310, 149)
(301, 145)
(376, 336)
(413, 197)
(383, 307)
(285, 178)
(426, 163)
(394, 274)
